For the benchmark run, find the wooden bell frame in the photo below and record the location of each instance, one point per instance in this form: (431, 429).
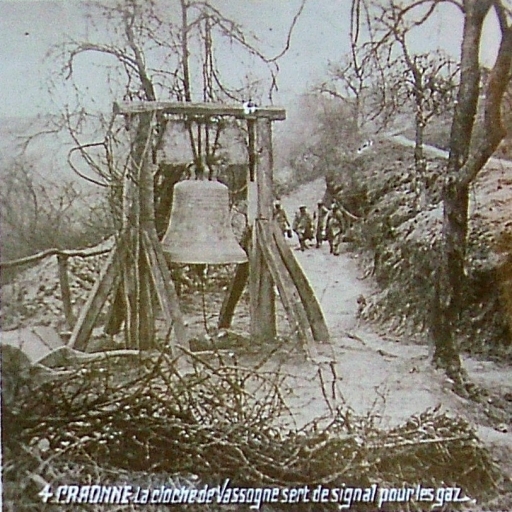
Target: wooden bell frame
(138, 261)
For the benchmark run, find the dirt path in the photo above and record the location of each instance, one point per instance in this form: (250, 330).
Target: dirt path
(366, 371)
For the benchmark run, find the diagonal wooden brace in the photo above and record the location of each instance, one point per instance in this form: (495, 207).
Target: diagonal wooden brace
(313, 310)
(287, 291)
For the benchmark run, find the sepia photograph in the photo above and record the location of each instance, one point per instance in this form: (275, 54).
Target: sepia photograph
(256, 255)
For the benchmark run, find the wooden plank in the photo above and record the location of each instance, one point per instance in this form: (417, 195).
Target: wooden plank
(129, 283)
(164, 287)
(263, 314)
(198, 109)
(120, 305)
(313, 310)
(147, 316)
(287, 291)
(144, 214)
(236, 288)
(140, 144)
(262, 299)
(265, 169)
(115, 315)
(252, 149)
(108, 279)
(252, 202)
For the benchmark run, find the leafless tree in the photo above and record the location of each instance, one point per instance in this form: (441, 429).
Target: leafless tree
(424, 81)
(158, 50)
(359, 79)
(39, 214)
(427, 83)
(473, 139)
(472, 142)
(353, 83)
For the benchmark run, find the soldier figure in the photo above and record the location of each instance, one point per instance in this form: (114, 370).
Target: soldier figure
(281, 219)
(320, 219)
(303, 226)
(335, 228)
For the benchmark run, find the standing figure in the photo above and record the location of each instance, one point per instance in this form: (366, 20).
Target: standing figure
(320, 218)
(280, 217)
(303, 226)
(335, 228)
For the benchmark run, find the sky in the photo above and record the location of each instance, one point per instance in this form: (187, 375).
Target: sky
(29, 28)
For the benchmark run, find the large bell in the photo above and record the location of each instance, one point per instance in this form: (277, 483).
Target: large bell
(199, 229)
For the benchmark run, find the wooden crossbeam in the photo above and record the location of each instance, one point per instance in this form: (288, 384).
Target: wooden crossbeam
(198, 110)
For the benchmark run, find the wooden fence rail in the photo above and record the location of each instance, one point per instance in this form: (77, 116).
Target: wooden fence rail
(81, 253)
(62, 260)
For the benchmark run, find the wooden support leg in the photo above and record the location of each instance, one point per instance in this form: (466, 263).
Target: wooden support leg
(313, 310)
(263, 315)
(164, 287)
(235, 291)
(115, 316)
(147, 314)
(288, 293)
(236, 288)
(130, 287)
(108, 279)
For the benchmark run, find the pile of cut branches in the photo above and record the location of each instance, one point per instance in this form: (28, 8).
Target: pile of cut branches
(214, 419)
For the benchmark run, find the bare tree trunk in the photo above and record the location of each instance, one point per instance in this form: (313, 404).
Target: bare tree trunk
(65, 290)
(470, 148)
(420, 164)
(450, 280)
(184, 49)
(455, 197)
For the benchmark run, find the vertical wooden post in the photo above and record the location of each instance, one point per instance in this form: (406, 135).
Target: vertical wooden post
(263, 315)
(154, 273)
(120, 307)
(147, 223)
(139, 333)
